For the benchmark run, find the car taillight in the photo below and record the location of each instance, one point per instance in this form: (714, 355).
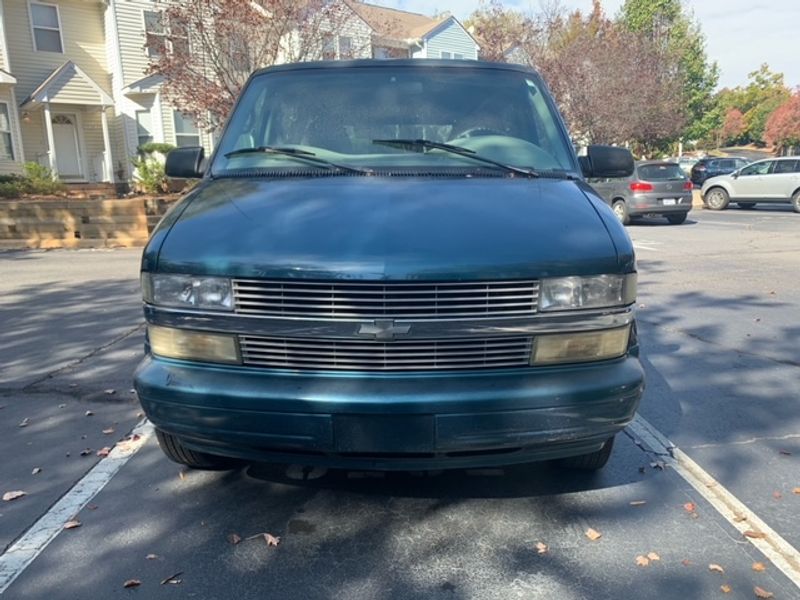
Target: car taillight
(687, 186)
(638, 186)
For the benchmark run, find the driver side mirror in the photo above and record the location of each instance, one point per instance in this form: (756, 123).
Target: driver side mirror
(185, 163)
(606, 161)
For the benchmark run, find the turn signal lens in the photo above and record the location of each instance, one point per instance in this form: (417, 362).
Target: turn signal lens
(580, 347)
(193, 345)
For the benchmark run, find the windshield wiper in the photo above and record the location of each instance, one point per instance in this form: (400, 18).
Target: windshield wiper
(305, 155)
(422, 146)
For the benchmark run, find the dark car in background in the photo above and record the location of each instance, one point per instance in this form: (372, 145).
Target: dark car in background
(712, 166)
(655, 188)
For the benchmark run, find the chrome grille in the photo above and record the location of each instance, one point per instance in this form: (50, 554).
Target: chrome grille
(381, 300)
(405, 355)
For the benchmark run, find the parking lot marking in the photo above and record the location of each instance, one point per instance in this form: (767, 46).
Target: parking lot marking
(22, 553)
(782, 554)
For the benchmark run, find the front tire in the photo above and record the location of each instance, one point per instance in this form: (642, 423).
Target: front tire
(676, 219)
(796, 201)
(593, 461)
(621, 212)
(717, 199)
(172, 447)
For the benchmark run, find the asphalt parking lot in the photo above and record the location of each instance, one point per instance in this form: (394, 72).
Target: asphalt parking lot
(718, 319)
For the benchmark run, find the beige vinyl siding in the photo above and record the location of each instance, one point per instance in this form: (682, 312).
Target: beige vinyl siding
(11, 166)
(130, 26)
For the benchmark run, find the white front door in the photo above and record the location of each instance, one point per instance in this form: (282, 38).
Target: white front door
(67, 148)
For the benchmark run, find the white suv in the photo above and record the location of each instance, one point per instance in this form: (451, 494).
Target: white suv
(772, 180)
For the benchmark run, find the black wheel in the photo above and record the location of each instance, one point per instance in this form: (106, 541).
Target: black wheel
(796, 201)
(746, 205)
(716, 199)
(177, 452)
(621, 211)
(676, 219)
(589, 462)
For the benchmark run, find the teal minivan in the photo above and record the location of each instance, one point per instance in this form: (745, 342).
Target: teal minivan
(391, 265)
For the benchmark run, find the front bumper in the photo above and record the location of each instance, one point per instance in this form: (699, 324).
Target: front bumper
(391, 421)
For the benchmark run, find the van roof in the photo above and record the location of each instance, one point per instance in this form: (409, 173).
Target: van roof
(371, 63)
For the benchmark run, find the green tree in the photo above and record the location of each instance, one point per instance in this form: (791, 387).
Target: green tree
(680, 39)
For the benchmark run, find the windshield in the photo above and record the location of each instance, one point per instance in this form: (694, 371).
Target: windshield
(660, 172)
(338, 115)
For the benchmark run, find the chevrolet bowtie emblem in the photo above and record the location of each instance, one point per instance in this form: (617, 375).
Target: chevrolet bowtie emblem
(384, 329)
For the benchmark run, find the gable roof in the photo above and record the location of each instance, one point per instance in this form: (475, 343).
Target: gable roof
(69, 84)
(393, 23)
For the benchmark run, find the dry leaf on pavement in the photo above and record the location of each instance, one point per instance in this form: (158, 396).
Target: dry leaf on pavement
(716, 568)
(726, 589)
(593, 534)
(270, 539)
(151, 556)
(686, 562)
(762, 593)
(796, 490)
(131, 583)
(690, 507)
(89, 413)
(36, 470)
(638, 503)
(777, 495)
(784, 452)
(9, 496)
(234, 538)
(756, 535)
(24, 422)
(759, 566)
(108, 430)
(103, 452)
(86, 452)
(74, 524)
(110, 392)
(173, 580)
(541, 547)
(642, 561)
(653, 556)
(739, 518)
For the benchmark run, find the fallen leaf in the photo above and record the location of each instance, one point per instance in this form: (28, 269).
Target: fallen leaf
(642, 561)
(151, 556)
(738, 518)
(182, 475)
(103, 452)
(755, 535)
(270, 539)
(716, 568)
(108, 430)
(796, 491)
(653, 556)
(711, 484)
(726, 589)
(541, 547)
(686, 562)
(91, 506)
(593, 534)
(234, 538)
(777, 495)
(762, 593)
(9, 496)
(110, 392)
(638, 503)
(759, 566)
(690, 507)
(784, 452)
(24, 422)
(36, 470)
(131, 583)
(74, 524)
(641, 469)
(86, 452)
(88, 413)
(173, 579)
(658, 465)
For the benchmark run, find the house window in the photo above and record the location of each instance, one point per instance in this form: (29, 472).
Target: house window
(345, 47)
(154, 34)
(458, 56)
(453, 55)
(446, 54)
(6, 146)
(186, 133)
(144, 127)
(179, 36)
(328, 48)
(46, 25)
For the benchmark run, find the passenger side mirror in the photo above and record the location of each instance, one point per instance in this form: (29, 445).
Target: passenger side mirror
(606, 161)
(185, 163)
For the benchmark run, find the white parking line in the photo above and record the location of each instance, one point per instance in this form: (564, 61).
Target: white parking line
(782, 554)
(22, 553)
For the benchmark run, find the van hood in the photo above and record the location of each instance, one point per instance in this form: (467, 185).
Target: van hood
(401, 228)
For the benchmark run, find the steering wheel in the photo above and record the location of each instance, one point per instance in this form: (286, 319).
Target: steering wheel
(477, 132)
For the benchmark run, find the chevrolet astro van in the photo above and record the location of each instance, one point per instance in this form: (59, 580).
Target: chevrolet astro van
(391, 265)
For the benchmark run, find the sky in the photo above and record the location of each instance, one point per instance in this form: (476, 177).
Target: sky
(740, 34)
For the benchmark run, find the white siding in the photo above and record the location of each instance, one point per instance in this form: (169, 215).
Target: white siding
(451, 38)
(11, 166)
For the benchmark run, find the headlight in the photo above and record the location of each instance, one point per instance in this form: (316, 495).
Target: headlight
(187, 291)
(598, 291)
(193, 345)
(580, 347)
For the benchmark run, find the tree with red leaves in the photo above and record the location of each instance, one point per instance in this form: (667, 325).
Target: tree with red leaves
(733, 127)
(783, 126)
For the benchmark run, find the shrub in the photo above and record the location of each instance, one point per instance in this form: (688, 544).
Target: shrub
(151, 147)
(150, 176)
(40, 180)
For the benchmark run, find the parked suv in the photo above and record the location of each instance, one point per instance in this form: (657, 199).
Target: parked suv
(391, 265)
(774, 180)
(705, 168)
(656, 188)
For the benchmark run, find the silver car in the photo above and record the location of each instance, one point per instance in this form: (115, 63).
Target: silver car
(771, 180)
(656, 187)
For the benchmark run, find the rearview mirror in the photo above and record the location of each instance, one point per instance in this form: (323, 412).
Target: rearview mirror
(185, 163)
(607, 161)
